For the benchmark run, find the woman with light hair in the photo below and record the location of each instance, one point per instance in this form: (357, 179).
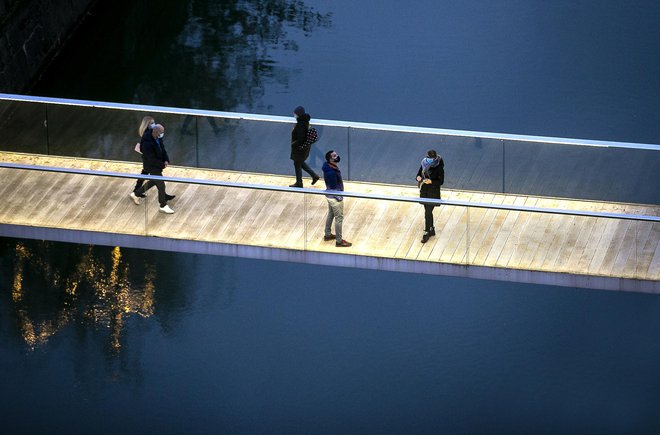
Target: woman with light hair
(146, 126)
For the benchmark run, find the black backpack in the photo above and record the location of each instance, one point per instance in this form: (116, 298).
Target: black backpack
(312, 136)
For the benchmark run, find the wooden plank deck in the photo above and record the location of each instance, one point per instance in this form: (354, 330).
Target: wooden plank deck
(503, 240)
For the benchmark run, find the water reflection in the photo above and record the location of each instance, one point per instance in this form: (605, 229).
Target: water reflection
(55, 285)
(212, 55)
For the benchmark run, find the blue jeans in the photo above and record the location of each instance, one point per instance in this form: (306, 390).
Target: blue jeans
(336, 212)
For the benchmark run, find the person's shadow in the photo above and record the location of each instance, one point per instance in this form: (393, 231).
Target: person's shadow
(185, 128)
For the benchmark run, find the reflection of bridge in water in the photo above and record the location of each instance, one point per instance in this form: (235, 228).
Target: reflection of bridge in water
(482, 235)
(519, 208)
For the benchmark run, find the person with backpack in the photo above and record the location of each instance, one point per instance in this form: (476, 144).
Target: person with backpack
(300, 146)
(430, 176)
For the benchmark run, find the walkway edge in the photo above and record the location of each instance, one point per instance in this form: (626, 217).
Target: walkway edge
(331, 259)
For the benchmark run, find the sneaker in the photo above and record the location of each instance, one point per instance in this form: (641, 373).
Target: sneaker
(315, 179)
(169, 197)
(135, 198)
(425, 237)
(166, 209)
(330, 237)
(295, 185)
(343, 244)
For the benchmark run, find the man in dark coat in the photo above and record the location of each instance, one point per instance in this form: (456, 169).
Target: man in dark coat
(155, 160)
(430, 177)
(334, 182)
(299, 153)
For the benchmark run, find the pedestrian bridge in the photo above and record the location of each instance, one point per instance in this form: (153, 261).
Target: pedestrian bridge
(508, 235)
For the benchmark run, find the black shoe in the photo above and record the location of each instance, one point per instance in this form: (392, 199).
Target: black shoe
(315, 179)
(330, 237)
(169, 197)
(432, 232)
(343, 244)
(425, 237)
(139, 195)
(296, 185)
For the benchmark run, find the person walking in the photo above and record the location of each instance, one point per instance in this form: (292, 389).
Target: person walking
(299, 152)
(333, 181)
(155, 160)
(430, 176)
(147, 124)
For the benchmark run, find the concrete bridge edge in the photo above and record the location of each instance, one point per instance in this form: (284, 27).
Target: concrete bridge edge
(331, 259)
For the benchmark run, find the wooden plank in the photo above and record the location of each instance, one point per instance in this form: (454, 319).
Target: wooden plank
(538, 232)
(457, 243)
(654, 268)
(637, 263)
(607, 265)
(483, 230)
(517, 241)
(445, 227)
(627, 250)
(17, 201)
(488, 241)
(503, 234)
(377, 228)
(476, 217)
(650, 248)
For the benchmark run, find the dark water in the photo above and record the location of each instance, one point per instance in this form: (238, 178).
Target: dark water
(118, 340)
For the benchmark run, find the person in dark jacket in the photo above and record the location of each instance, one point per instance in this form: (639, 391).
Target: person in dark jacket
(430, 177)
(155, 160)
(333, 181)
(299, 153)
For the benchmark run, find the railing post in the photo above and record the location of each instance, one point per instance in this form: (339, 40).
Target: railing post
(46, 127)
(197, 140)
(503, 165)
(467, 238)
(348, 151)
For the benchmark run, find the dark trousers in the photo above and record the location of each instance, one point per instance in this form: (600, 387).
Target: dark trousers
(428, 216)
(160, 185)
(299, 166)
(140, 181)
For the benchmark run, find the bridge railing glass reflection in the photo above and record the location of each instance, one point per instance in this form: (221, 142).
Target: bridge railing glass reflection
(488, 162)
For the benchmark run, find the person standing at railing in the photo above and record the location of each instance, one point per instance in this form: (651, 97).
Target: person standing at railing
(430, 176)
(299, 152)
(333, 181)
(147, 124)
(155, 160)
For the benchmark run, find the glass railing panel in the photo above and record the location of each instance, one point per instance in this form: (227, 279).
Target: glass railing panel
(394, 157)
(229, 215)
(449, 243)
(244, 145)
(23, 127)
(76, 202)
(585, 172)
(376, 228)
(259, 146)
(597, 171)
(112, 134)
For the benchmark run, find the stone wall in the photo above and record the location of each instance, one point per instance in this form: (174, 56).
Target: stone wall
(31, 34)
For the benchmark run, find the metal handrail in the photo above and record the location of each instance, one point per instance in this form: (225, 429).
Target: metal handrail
(331, 123)
(312, 191)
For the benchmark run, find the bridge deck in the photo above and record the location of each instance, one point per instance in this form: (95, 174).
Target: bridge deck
(511, 243)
